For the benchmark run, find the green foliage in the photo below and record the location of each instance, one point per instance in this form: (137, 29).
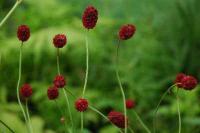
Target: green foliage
(166, 42)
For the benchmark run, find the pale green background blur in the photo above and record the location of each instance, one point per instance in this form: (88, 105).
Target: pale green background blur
(167, 41)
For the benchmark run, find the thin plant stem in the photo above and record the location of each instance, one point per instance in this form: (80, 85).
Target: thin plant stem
(86, 76)
(18, 83)
(61, 112)
(65, 94)
(101, 114)
(131, 130)
(3, 123)
(142, 123)
(178, 110)
(68, 106)
(10, 12)
(157, 107)
(58, 63)
(28, 116)
(120, 84)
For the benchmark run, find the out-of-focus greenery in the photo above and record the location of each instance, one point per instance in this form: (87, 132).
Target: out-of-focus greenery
(167, 41)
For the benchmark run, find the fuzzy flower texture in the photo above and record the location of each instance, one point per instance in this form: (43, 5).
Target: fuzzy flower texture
(59, 81)
(90, 17)
(186, 82)
(23, 33)
(59, 40)
(126, 31)
(81, 105)
(52, 93)
(26, 91)
(117, 118)
(130, 104)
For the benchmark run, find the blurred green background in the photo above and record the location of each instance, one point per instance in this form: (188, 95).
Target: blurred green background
(167, 41)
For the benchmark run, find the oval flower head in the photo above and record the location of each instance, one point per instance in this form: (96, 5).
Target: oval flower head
(90, 17)
(117, 118)
(130, 104)
(126, 31)
(81, 105)
(178, 80)
(59, 81)
(23, 33)
(189, 82)
(59, 40)
(52, 93)
(26, 91)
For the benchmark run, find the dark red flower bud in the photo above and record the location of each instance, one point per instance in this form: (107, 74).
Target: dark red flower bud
(90, 17)
(23, 33)
(59, 40)
(130, 103)
(59, 81)
(26, 91)
(52, 93)
(81, 105)
(189, 82)
(126, 31)
(118, 119)
(178, 79)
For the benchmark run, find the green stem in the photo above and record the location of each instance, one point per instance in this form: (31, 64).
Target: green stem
(82, 122)
(120, 85)
(68, 106)
(10, 12)
(29, 120)
(141, 122)
(18, 83)
(131, 130)
(58, 64)
(179, 114)
(157, 107)
(6, 126)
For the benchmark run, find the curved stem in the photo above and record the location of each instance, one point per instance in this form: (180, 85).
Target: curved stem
(160, 101)
(3, 123)
(120, 85)
(68, 106)
(18, 83)
(142, 123)
(178, 110)
(10, 12)
(29, 120)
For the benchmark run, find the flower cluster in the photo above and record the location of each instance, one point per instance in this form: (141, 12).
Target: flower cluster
(52, 93)
(26, 91)
(81, 105)
(118, 119)
(23, 33)
(186, 82)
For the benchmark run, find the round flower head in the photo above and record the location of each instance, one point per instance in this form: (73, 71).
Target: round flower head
(90, 17)
(189, 82)
(23, 33)
(59, 40)
(117, 118)
(26, 91)
(178, 80)
(81, 105)
(130, 103)
(126, 32)
(59, 81)
(52, 93)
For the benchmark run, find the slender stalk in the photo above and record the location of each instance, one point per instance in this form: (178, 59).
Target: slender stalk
(3, 123)
(65, 94)
(18, 83)
(142, 123)
(120, 85)
(68, 106)
(178, 110)
(86, 77)
(131, 130)
(160, 101)
(10, 12)
(29, 120)
(58, 63)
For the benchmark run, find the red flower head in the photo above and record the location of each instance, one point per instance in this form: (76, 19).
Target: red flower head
(90, 17)
(81, 105)
(126, 31)
(23, 33)
(117, 118)
(59, 81)
(26, 91)
(59, 40)
(189, 82)
(130, 103)
(178, 80)
(52, 93)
